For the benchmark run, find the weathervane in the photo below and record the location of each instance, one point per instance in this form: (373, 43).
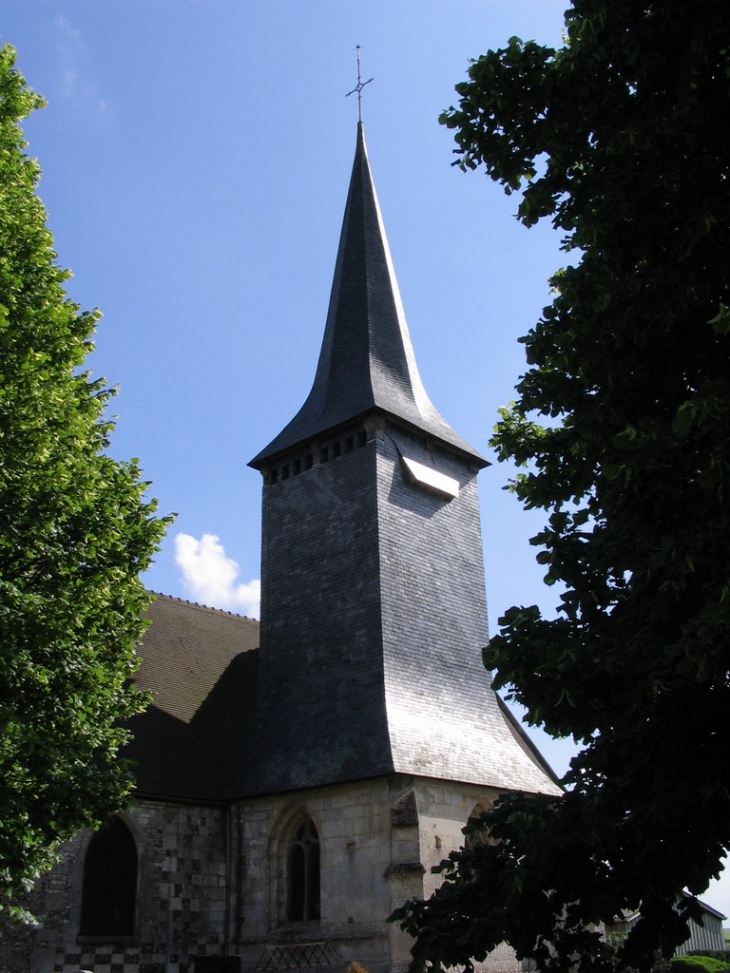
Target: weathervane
(358, 87)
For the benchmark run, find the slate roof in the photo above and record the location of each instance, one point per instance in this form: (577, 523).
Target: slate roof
(356, 554)
(366, 362)
(201, 665)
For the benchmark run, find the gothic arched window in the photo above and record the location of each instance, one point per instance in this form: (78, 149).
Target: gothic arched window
(109, 894)
(479, 836)
(302, 870)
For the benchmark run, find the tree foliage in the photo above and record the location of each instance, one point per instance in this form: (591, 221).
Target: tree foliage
(75, 531)
(622, 430)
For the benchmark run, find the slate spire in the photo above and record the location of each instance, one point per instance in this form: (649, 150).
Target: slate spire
(373, 606)
(366, 362)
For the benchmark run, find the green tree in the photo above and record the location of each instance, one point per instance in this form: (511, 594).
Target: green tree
(622, 431)
(75, 531)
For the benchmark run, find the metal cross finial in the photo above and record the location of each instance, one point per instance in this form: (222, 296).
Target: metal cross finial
(358, 87)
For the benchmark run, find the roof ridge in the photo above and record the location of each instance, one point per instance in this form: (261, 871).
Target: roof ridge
(207, 608)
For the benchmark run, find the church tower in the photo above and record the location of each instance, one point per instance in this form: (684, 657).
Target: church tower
(290, 797)
(373, 611)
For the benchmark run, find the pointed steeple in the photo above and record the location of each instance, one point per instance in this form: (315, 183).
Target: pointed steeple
(373, 608)
(367, 362)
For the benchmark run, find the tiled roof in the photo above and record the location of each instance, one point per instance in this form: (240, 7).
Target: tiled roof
(201, 666)
(366, 363)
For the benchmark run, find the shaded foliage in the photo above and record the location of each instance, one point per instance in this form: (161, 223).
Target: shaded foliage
(75, 531)
(699, 964)
(622, 430)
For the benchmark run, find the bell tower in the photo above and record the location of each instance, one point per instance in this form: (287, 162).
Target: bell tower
(373, 611)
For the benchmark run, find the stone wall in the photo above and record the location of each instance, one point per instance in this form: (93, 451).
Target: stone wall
(359, 846)
(444, 807)
(212, 881)
(180, 904)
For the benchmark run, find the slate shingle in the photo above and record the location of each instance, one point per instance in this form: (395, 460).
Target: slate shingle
(373, 603)
(367, 361)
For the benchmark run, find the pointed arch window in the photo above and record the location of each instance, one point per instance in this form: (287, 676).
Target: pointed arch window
(302, 870)
(109, 892)
(480, 836)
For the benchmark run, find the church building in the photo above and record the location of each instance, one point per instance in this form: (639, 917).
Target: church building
(298, 778)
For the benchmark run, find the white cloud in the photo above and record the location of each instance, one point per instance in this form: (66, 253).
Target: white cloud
(70, 49)
(75, 84)
(211, 577)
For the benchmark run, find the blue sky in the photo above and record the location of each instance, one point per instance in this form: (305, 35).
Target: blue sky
(195, 160)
